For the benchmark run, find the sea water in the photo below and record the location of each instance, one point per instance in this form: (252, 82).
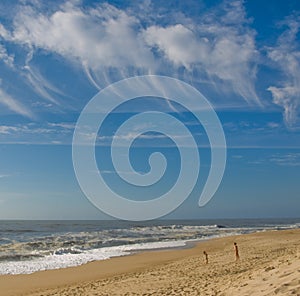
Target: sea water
(30, 246)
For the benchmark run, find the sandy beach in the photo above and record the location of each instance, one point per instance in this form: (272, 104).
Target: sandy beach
(269, 265)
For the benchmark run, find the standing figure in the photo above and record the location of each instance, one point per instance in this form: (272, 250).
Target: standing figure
(237, 256)
(206, 257)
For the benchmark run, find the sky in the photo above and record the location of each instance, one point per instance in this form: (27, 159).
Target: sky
(242, 56)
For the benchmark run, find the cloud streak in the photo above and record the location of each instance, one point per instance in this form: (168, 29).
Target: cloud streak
(14, 105)
(286, 57)
(5, 57)
(97, 36)
(289, 159)
(215, 50)
(210, 48)
(112, 44)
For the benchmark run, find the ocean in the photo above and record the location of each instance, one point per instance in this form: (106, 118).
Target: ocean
(30, 246)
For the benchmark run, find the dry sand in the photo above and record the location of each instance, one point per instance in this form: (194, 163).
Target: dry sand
(269, 265)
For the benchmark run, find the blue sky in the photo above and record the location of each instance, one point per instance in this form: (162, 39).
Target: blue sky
(243, 56)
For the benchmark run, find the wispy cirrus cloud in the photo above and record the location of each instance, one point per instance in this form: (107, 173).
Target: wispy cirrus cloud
(288, 159)
(5, 57)
(24, 129)
(47, 133)
(215, 50)
(4, 176)
(112, 43)
(212, 46)
(103, 35)
(41, 86)
(33, 128)
(14, 105)
(286, 56)
(291, 158)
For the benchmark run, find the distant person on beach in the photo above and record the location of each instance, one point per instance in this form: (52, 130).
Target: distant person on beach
(236, 250)
(206, 257)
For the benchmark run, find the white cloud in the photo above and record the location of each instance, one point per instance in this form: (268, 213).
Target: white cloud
(222, 48)
(41, 85)
(173, 40)
(133, 135)
(112, 44)
(24, 129)
(216, 46)
(237, 156)
(63, 125)
(4, 176)
(120, 172)
(4, 33)
(34, 129)
(5, 130)
(5, 57)
(288, 98)
(102, 36)
(14, 105)
(288, 159)
(286, 56)
(273, 125)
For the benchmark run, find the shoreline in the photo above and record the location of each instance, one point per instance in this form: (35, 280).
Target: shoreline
(256, 249)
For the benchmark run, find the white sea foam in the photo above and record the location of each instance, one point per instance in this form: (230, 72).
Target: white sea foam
(32, 246)
(56, 261)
